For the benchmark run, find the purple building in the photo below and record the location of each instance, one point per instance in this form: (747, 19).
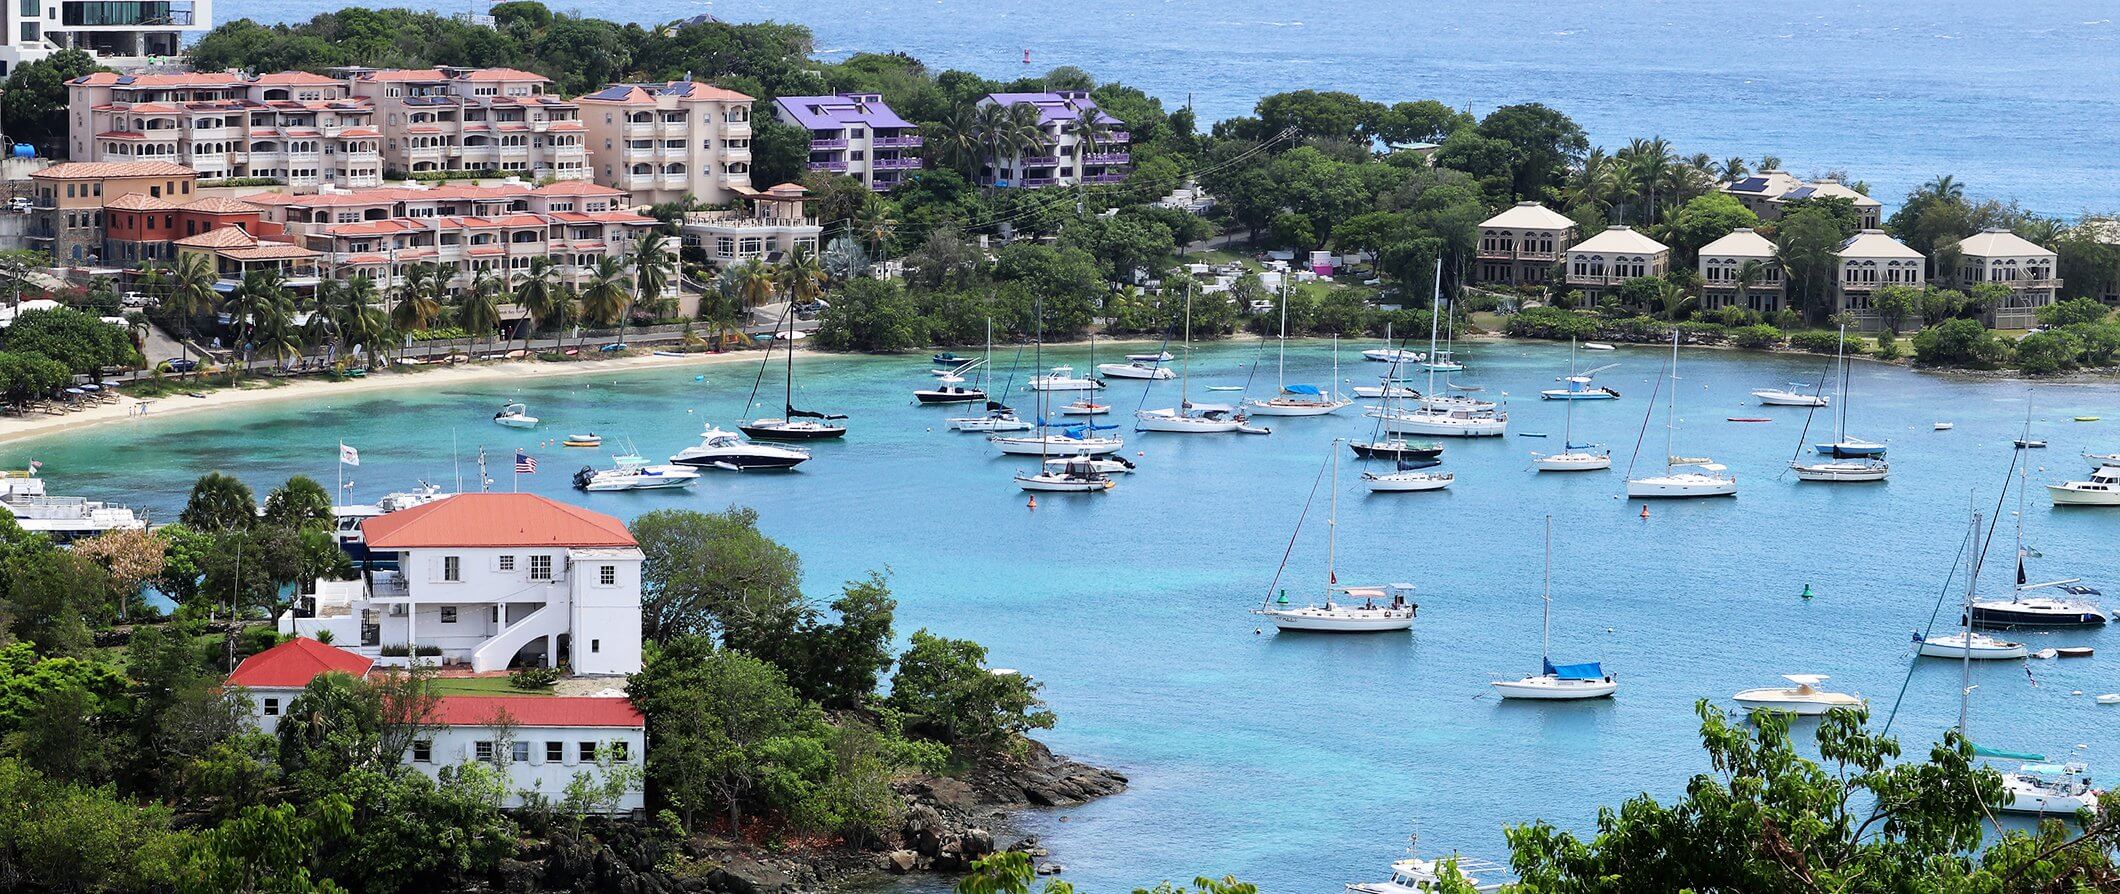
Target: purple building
(854, 134)
(1064, 158)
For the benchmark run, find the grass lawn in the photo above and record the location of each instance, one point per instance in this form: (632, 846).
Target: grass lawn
(481, 686)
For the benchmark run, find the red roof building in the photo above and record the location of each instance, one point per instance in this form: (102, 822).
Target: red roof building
(292, 664)
(538, 711)
(487, 520)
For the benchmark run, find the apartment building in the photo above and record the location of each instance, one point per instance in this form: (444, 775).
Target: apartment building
(1613, 256)
(305, 130)
(1996, 255)
(1722, 267)
(855, 134)
(1769, 193)
(771, 224)
(68, 202)
(1520, 245)
(1063, 156)
(665, 142)
(234, 254)
(140, 227)
(118, 34)
(1870, 260)
(474, 119)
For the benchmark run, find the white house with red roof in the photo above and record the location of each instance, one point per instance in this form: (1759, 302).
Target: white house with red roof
(540, 743)
(489, 581)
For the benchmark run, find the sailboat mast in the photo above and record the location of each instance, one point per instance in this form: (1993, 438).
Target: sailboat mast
(1185, 369)
(1435, 313)
(1840, 358)
(1332, 529)
(788, 389)
(1281, 362)
(1545, 635)
(1038, 362)
(1567, 416)
(1965, 664)
(1671, 403)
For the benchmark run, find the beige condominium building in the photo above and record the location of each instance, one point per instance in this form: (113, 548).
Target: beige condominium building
(304, 130)
(1768, 194)
(68, 201)
(1520, 245)
(1613, 256)
(663, 142)
(1724, 269)
(1871, 260)
(471, 119)
(1996, 255)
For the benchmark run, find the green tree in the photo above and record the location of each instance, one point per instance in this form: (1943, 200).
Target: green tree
(219, 503)
(2073, 311)
(1329, 115)
(715, 574)
(606, 298)
(80, 342)
(716, 716)
(1959, 342)
(780, 153)
(58, 836)
(52, 597)
(2048, 352)
(946, 692)
(1807, 244)
(876, 316)
(1704, 219)
(300, 503)
(1545, 142)
(1896, 304)
(33, 99)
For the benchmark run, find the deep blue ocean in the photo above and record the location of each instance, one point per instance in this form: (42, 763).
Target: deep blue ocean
(2018, 100)
(1302, 762)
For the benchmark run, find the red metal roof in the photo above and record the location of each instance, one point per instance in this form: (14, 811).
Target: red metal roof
(494, 520)
(534, 710)
(292, 664)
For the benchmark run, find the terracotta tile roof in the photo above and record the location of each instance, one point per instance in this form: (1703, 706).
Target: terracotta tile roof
(536, 710)
(292, 664)
(641, 94)
(294, 79)
(494, 520)
(220, 238)
(360, 132)
(99, 170)
(403, 74)
(270, 251)
(138, 201)
(504, 74)
(221, 205)
(577, 188)
(190, 79)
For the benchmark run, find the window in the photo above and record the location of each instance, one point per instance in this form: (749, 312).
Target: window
(507, 563)
(272, 707)
(483, 751)
(619, 752)
(449, 614)
(588, 752)
(422, 751)
(452, 568)
(607, 575)
(540, 567)
(596, 646)
(519, 751)
(555, 752)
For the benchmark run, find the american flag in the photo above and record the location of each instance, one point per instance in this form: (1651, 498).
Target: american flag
(524, 463)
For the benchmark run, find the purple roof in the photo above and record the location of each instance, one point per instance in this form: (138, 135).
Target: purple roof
(1056, 106)
(840, 110)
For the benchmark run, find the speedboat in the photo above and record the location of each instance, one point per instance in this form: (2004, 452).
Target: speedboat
(950, 358)
(1443, 362)
(1135, 370)
(949, 394)
(1565, 682)
(1406, 480)
(1842, 470)
(1190, 419)
(634, 473)
(1976, 646)
(1790, 397)
(2103, 489)
(1060, 444)
(1851, 448)
(2101, 460)
(1414, 875)
(795, 429)
(1804, 699)
(1396, 449)
(724, 450)
(1085, 407)
(1063, 378)
(997, 418)
(2030, 443)
(515, 416)
(2040, 611)
(1578, 388)
(1396, 389)
(583, 440)
(1157, 357)
(1067, 476)
(1577, 458)
(1346, 610)
(1109, 465)
(2051, 789)
(1393, 355)
(1711, 481)
(1455, 423)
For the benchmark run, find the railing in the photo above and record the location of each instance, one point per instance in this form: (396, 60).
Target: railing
(1119, 136)
(1595, 279)
(2023, 285)
(1039, 181)
(44, 201)
(828, 166)
(821, 145)
(1510, 254)
(736, 220)
(911, 142)
(894, 164)
(1108, 158)
(1731, 285)
(1105, 178)
(1041, 161)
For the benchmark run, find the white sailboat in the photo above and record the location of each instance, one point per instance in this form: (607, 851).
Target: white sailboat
(1452, 417)
(1567, 682)
(1188, 417)
(1683, 476)
(1573, 457)
(1297, 400)
(1838, 466)
(1063, 378)
(1077, 440)
(1391, 384)
(1377, 609)
(998, 416)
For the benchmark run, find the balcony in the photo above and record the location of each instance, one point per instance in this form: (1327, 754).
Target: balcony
(910, 142)
(1108, 158)
(126, 15)
(1119, 136)
(1506, 253)
(1041, 161)
(828, 166)
(1105, 178)
(1033, 182)
(1597, 280)
(824, 145)
(1718, 285)
(895, 164)
(2046, 284)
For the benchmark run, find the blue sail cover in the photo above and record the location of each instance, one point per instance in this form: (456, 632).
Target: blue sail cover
(1311, 390)
(1984, 751)
(1589, 671)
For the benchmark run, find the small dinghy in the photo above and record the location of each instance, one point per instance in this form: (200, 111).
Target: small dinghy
(1597, 346)
(1945, 426)
(2110, 698)
(583, 440)
(1085, 408)
(2074, 652)
(2030, 444)
(1225, 387)
(1749, 419)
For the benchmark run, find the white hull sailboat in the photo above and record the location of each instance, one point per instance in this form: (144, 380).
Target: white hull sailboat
(1684, 477)
(1056, 444)
(1567, 682)
(1297, 400)
(1842, 470)
(1379, 609)
(1846, 460)
(1406, 481)
(994, 420)
(1063, 378)
(1968, 646)
(1445, 423)
(1188, 418)
(1066, 478)
(1390, 390)
(1574, 457)
(1393, 356)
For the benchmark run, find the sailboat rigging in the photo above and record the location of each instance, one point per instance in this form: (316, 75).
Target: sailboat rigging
(1567, 682)
(795, 424)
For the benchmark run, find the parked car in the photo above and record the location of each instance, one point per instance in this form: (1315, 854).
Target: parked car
(134, 299)
(181, 364)
(20, 205)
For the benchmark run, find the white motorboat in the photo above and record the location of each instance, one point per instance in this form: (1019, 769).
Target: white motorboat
(2101, 460)
(1063, 378)
(1396, 389)
(1577, 458)
(1597, 346)
(997, 418)
(1066, 476)
(634, 473)
(1135, 370)
(1578, 388)
(515, 416)
(1684, 476)
(1057, 444)
(1842, 470)
(63, 519)
(1444, 423)
(1109, 465)
(1415, 875)
(1346, 610)
(1084, 407)
(1406, 481)
(2049, 789)
(1790, 397)
(1567, 682)
(1157, 357)
(1968, 645)
(1393, 355)
(2102, 489)
(1804, 699)
(718, 449)
(1442, 362)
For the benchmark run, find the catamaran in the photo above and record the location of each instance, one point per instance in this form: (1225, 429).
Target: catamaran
(1376, 609)
(1683, 476)
(1566, 682)
(1849, 459)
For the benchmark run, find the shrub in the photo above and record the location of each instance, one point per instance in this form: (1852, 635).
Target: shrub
(1815, 342)
(1888, 345)
(1960, 342)
(1550, 322)
(400, 650)
(2074, 310)
(2049, 352)
(241, 181)
(533, 678)
(1758, 335)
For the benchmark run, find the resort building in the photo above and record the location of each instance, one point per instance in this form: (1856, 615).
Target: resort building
(1870, 260)
(68, 201)
(1742, 269)
(235, 254)
(488, 581)
(302, 130)
(1612, 257)
(1996, 255)
(539, 743)
(474, 119)
(774, 223)
(119, 35)
(1064, 156)
(1520, 245)
(140, 227)
(1768, 194)
(855, 134)
(666, 142)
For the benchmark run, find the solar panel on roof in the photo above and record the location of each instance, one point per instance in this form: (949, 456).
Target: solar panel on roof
(1750, 184)
(1801, 192)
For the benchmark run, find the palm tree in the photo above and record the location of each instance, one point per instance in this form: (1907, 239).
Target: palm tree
(1648, 166)
(362, 324)
(800, 277)
(567, 312)
(1089, 140)
(191, 293)
(1672, 299)
(1732, 170)
(1007, 131)
(539, 294)
(651, 273)
(1747, 275)
(480, 312)
(2046, 232)
(1769, 163)
(1593, 182)
(874, 226)
(954, 141)
(418, 304)
(258, 295)
(754, 284)
(1945, 187)
(605, 300)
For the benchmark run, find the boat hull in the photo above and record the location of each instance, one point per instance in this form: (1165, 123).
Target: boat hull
(1958, 651)
(2063, 495)
(1789, 399)
(1338, 622)
(1054, 445)
(1841, 472)
(1550, 688)
(1379, 391)
(1565, 394)
(1175, 423)
(1278, 407)
(1778, 700)
(1572, 462)
(1130, 371)
(1402, 451)
(2002, 617)
(1059, 484)
(987, 424)
(515, 421)
(777, 430)
(1674, 487)
(950, 397)
(1446, 426)
(741, 462)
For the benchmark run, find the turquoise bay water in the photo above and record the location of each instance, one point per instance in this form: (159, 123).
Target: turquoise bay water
(1301, 762)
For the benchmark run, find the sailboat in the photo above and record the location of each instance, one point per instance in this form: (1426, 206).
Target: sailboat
(2075, 604)
(1078, 472)
(1848, 459)
(1343, 609)
(1576, 386)
(1297, 400)
(998, 417)
(2034, 786)
(1683, 476)
(1565, 682)
(1447, 416)
(1391, 384)
(1445, 360)
(1573, 457)
(1075, 439)
(796, 425)
(1188, 417)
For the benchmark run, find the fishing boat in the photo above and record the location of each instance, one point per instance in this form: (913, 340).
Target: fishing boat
(1683, 477)
(1574, 457)
(634, 473)
(1296, 400)
(1188, 417)
(1848, 459)
(1566, 682)
(1792, 396)
(1066, 475)
(718, 449)
(1415, 875)
(583, 440)
(1804, 699)
(1578, 387)
(1063, 378)
(2101, 489)
(795, 425)
(515, 416)
(1136, 370)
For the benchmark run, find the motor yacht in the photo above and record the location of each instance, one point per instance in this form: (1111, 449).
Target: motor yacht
(1804, 699)
(720, 449)
(634, 473)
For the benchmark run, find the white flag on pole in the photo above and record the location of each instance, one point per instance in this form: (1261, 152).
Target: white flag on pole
(349, 456)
